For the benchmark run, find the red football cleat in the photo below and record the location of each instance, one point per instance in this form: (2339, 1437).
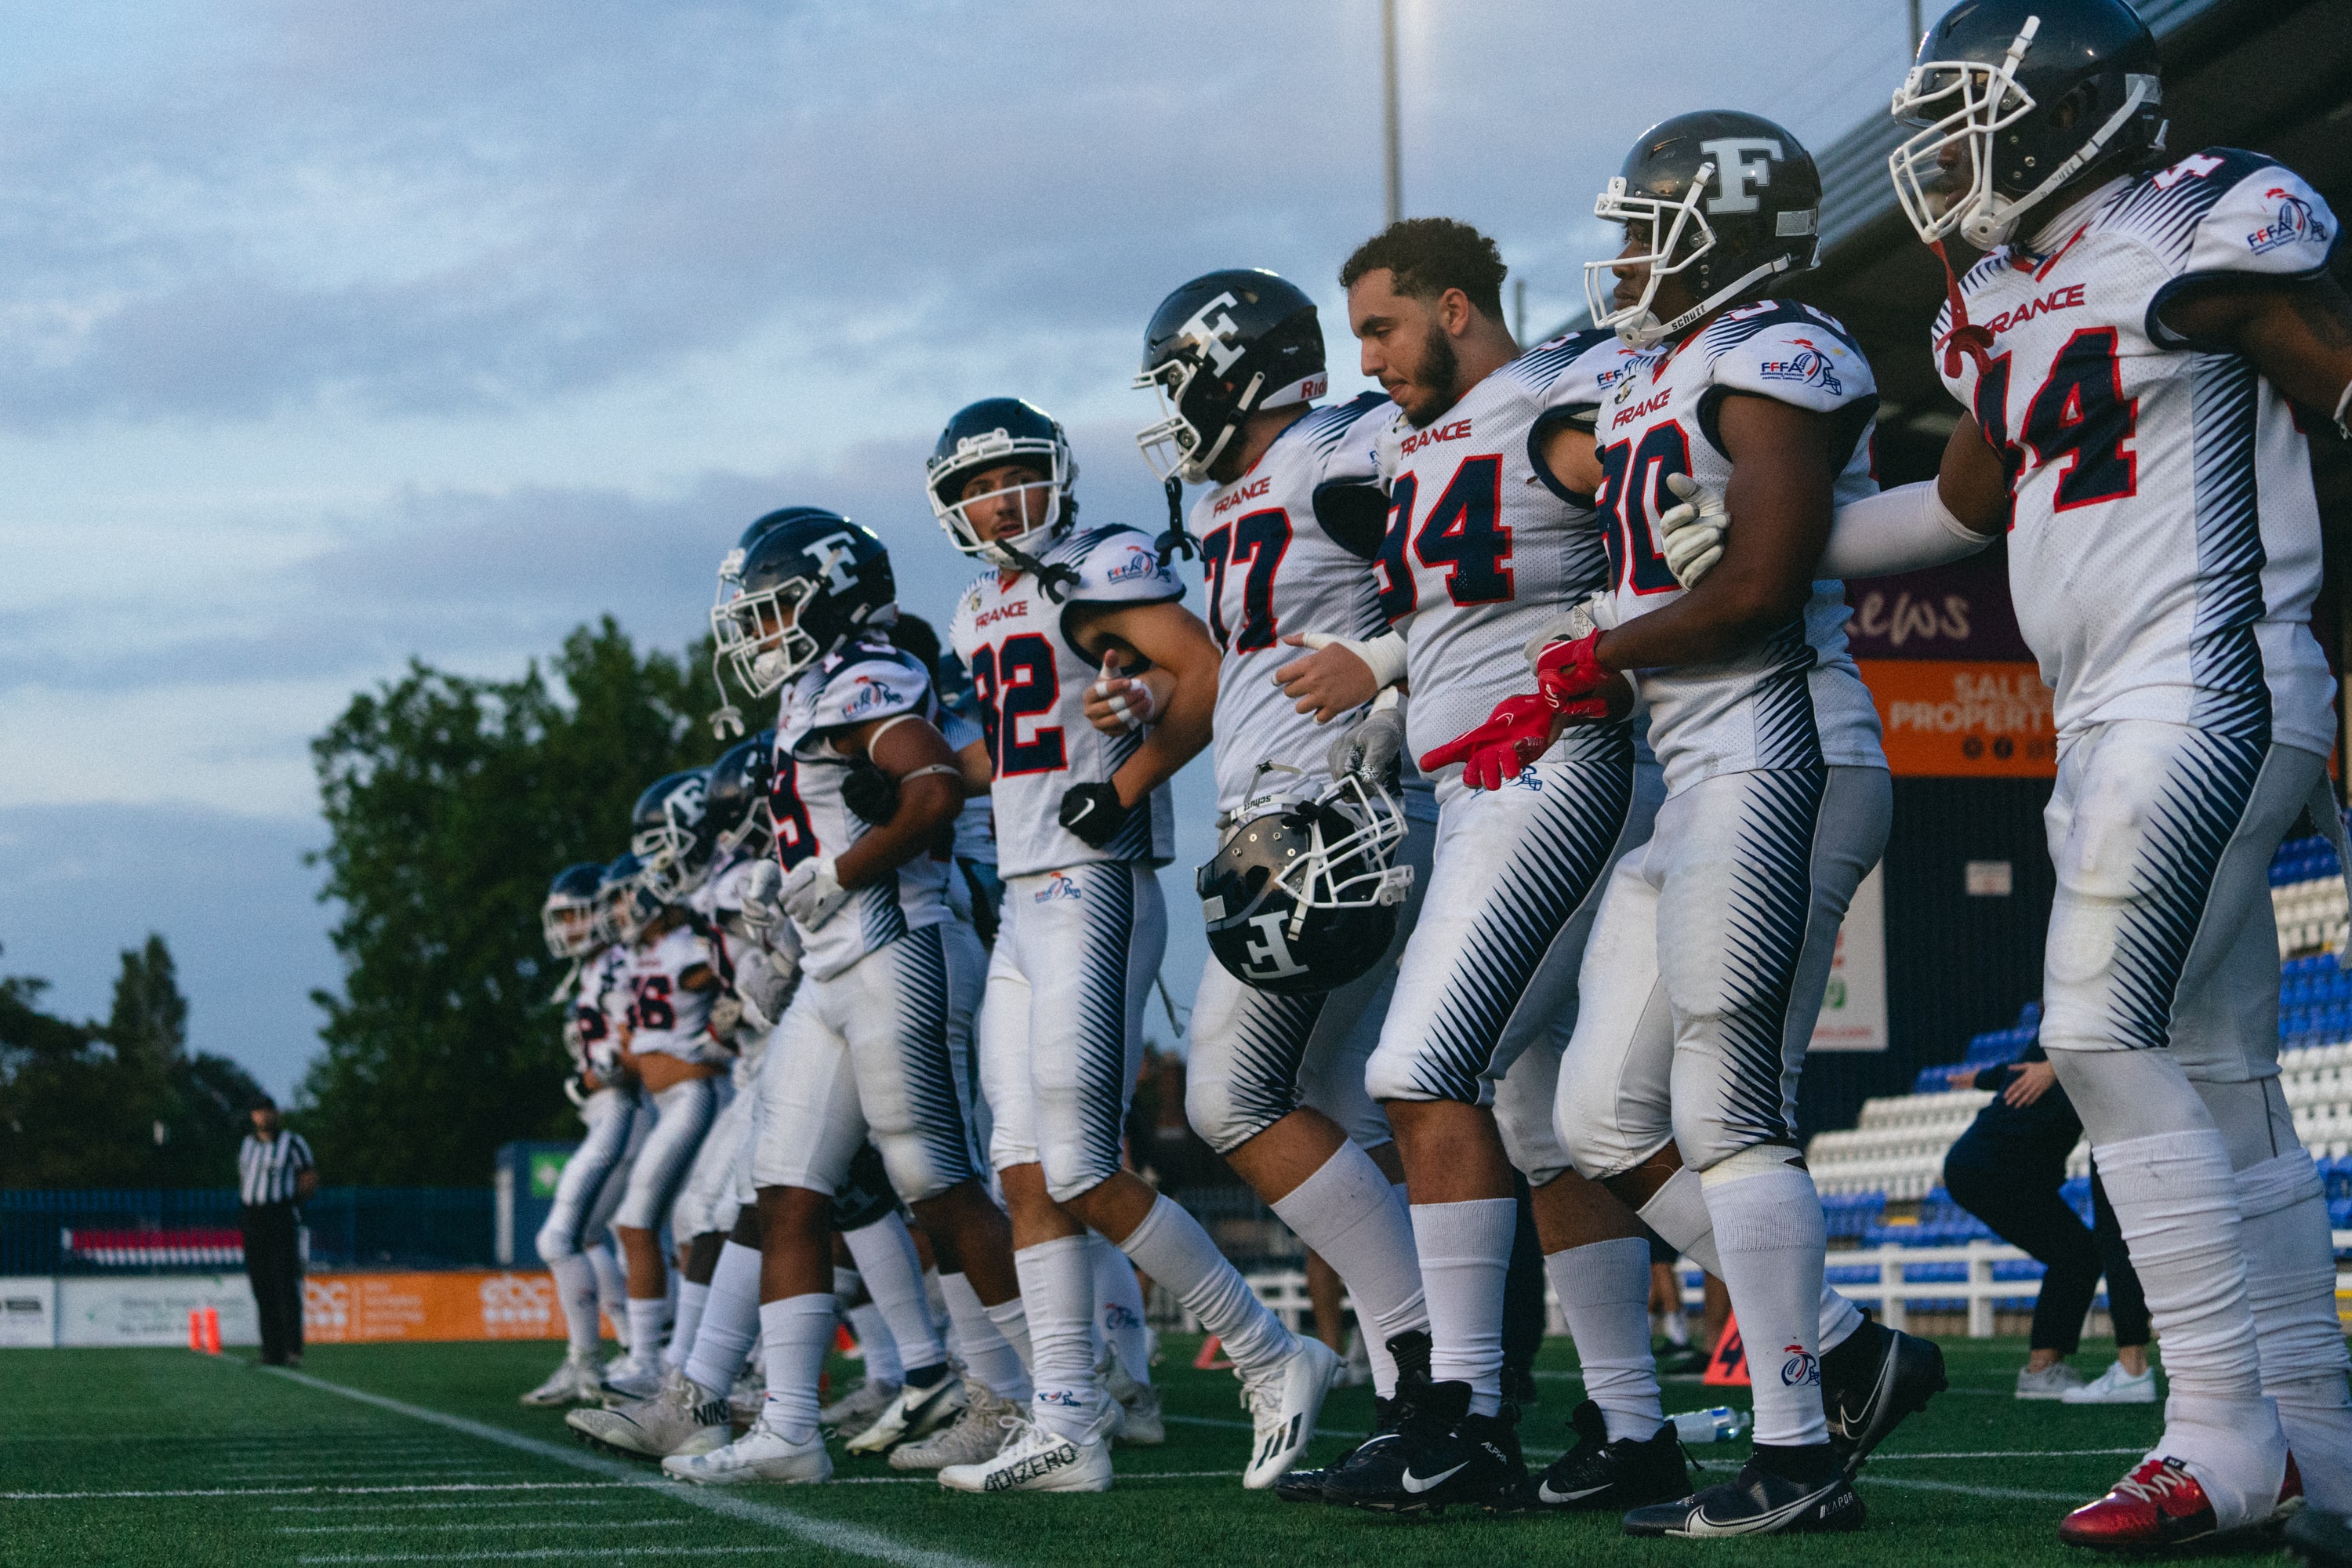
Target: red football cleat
(2159, 1504)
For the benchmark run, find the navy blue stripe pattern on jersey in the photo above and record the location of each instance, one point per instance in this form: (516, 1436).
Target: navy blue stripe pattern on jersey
(1135, 836)
(1556, 865)
(2202, 803)
(2166, 217)
(1787, 735)
(1269, 1040)
(2226, 661)
(927, 1060)
(592, 1168)
(1729, 332)
(679, 1127)
(1107, 938)
(268, 1170)
(1325, 427)
(880, 913)
(1764, 937)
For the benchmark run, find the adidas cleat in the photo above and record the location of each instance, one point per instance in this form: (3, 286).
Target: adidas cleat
(762, 1454)
(1035, 1460)
(1871, 1380)
(1757, 1501)
(1598, 1475)
(2160, 1505)
(913, 1412)
(977, 1434)
(576, 1382)
(1283, 1404)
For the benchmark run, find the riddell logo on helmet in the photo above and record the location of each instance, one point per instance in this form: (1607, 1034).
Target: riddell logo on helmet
(1247, 492)
(1420, 439)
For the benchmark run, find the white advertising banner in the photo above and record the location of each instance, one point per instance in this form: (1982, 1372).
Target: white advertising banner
(28, 1312)
(1854, 1007)
(152, 1310)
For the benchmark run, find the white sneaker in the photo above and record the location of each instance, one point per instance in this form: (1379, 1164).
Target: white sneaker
(1283, 1404)
(629, 1379)
(2114, 1386)
(912, 1413)
(2053, 1382)
(1035, 1460)
(1136, 1421)
(683, 1419)
(854, 1411)
(749, 1393)
(978, 1433)
(576, 1382)
(762, 1454)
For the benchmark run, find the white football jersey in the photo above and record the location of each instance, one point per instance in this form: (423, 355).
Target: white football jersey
(863, 682)
(975, 825)
(2164, 544)
(1795, 701)
(1031, 681)
(1481, 551)
(1287, 547)
(592, 1039)
(664, 1017)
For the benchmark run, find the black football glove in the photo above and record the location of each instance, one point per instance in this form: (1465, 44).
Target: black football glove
(1092, 811)
(869, 792)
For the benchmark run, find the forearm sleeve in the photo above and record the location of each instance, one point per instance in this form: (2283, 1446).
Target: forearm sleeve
(1906, 528)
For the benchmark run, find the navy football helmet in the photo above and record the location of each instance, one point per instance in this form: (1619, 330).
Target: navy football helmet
(1302, 897)
(1218, 349)
(986, 435)
(671, 836)
(568, 918)
(807, 587)
(1730, 198)
(625, 905)
(735, 806)
(2034, 93)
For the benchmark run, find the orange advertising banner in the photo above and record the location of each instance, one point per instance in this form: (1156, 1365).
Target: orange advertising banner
(1963, 719)
(461, 1304)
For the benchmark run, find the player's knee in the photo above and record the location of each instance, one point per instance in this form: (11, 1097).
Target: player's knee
(1720, 1155)
(558, 1238)
(1395, 1074)
(1217, 1114)
(1071, 1175)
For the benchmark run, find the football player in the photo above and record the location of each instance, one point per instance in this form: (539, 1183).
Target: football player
(876, 1038)
(669, 979)
(1288, 529)
(589, 1191)
(2126, 350)
(1081, 821)
(1475, 558)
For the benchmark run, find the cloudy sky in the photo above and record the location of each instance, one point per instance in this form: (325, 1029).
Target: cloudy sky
(333, 335)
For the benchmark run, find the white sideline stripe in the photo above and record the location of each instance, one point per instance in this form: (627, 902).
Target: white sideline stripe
(335, 1491)
(1212, 1421)
(846, 1537)
(1878, 1454)
(1117, 1476)
(489, 1524)
(345, 1507)
(542, 1552)
(2007, 1493)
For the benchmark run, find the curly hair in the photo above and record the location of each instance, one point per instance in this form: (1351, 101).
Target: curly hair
(1429, 255)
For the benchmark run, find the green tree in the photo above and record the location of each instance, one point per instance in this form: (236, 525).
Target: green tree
(449, 803)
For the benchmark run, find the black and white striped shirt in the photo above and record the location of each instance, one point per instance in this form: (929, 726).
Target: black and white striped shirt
(267, 1171)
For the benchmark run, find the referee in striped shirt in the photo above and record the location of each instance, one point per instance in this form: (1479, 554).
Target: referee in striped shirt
(275, 1172)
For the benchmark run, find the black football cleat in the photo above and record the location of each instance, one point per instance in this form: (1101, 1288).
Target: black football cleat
(1442, 1458)
(1597, 1474)
(1870, 1382)
(1301, 1485)
(1758, 1502)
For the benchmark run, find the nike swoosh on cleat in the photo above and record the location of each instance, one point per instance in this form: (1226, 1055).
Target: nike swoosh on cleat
(1545, 1492)
(1416, 1484)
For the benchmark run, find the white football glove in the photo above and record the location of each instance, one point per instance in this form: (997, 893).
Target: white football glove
(811, 894)
(1692, 534)
(725, 1014)
(763, 980)
(1370, 748)
(759, 889)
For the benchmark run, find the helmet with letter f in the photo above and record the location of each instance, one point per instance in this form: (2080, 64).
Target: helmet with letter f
(1302, 897)
(807, 586)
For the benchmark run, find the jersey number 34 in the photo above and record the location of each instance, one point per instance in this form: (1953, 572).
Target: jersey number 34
(1462, 535)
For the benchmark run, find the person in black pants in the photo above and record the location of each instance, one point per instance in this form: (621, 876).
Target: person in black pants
(2006, 1170)
(274, 1174)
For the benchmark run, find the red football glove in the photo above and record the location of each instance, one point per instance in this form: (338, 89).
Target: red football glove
(1517, 732)
(1566, 671)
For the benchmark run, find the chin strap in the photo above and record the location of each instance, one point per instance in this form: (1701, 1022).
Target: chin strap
(2344, 412)
(1176, 541)
(1055, 581)
(1965, 337)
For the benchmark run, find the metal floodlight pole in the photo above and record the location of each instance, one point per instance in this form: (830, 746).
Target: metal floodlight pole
(1389, 108)
(1918, 26)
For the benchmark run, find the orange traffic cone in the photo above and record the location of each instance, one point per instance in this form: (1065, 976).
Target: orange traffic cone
(196, 1330)
(1212, 1357)
(212, 1331)
(1727, 1367)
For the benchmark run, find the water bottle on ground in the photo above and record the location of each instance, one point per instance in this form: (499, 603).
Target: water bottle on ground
(1719, 1424)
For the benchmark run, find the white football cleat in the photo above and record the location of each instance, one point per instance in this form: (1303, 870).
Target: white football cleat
(1283, 1404)
(683, 1419)
(1136, 1421)
(630, 1379)
(913, 1412)
(576, 1382)
(2116, 1386)
(854, 1411)
(976, 1435)
(762, 1454)
(749, 1393)
(1035, 1460)
(2052, 1382)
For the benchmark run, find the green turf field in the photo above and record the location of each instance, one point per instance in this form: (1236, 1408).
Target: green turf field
(421, 1453)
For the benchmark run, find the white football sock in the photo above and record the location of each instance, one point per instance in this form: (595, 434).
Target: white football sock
(646, 1320)
(1171, 1246)
(1465, 1254)
(1118, 1308)
(1012, 1320)
(2291, 1287)
(881, 1351)
(1604, 1293)
(1769, 1233)
(690, 1299)
(730, 1319)
(1057, 1288)
(1677, 1211)
(575, 1291)
(893, 1272)
(987, 1356)
(1348, 1212)
(794, 1335)
(611, 1292)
